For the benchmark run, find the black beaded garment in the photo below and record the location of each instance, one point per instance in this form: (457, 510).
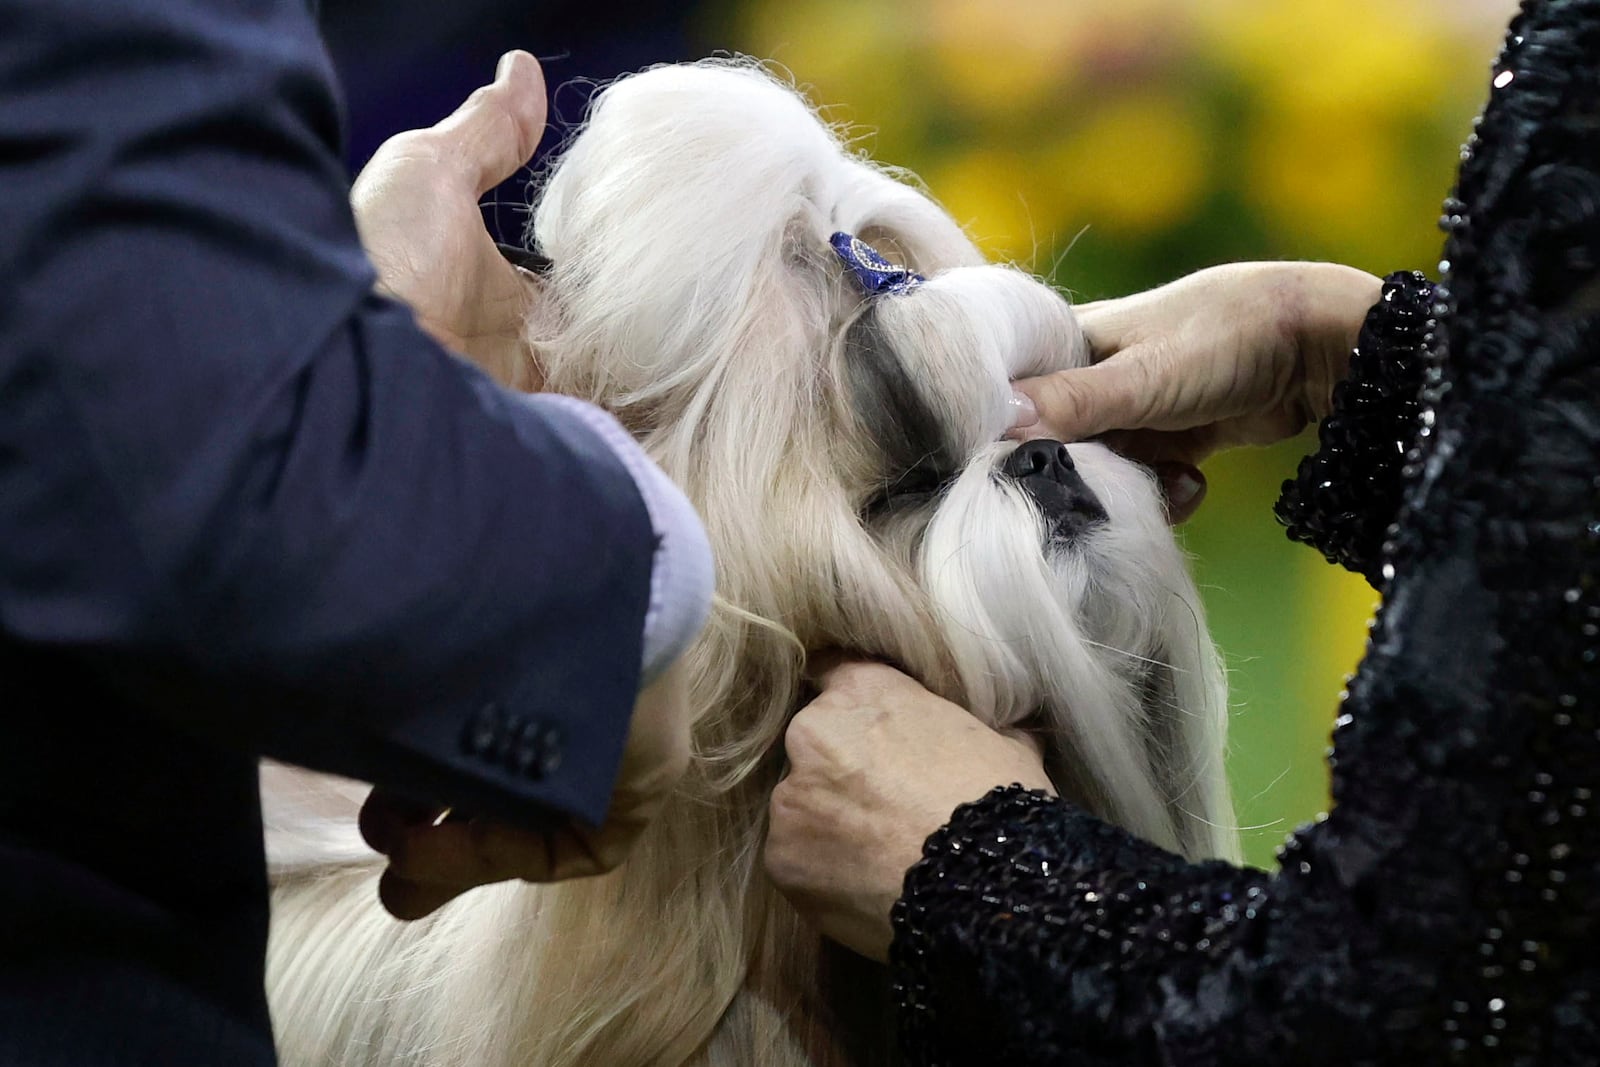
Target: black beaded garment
(1345, 495)
(1448, 910)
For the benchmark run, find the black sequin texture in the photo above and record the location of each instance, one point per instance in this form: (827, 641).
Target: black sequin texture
(1447, 911)
(1344, 496)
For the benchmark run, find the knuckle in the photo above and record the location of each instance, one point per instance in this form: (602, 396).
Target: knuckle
(485, 97)
(783, 805)
(410, 144)
(861, 679)
(803, 731)
(780, 865)
(810, 738)
(779, 871)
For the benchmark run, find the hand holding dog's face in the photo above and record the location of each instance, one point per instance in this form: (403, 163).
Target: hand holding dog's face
(416, 206)
(1246, 353)
(876, 764)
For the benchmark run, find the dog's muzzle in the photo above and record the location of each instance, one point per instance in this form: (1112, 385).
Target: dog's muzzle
(1045, 471)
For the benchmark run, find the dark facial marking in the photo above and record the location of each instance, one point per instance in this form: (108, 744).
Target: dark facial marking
(919, 458)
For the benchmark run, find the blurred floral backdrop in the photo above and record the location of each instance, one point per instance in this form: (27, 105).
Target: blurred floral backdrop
(1116, 144)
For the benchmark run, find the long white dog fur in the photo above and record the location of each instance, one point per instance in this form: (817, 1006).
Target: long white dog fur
(694, 295)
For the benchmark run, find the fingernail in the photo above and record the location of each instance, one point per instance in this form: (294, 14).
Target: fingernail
(1023, 411)
(503, 67)
(1182, 487)
(1182, 484)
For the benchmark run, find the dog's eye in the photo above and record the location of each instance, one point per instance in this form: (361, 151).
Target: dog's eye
(920, 483)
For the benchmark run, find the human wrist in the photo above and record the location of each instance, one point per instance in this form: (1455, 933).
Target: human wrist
(1331, 303)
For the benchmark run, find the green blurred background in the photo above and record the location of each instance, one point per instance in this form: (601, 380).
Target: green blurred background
(1113, 145)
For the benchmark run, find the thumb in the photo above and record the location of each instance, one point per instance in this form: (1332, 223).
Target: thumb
(497, 129)
(1073, 405)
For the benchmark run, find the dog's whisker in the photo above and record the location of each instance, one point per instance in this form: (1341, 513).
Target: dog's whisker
(1134, 656)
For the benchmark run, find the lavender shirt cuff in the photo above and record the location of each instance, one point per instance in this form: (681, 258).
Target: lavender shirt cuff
(681, 577)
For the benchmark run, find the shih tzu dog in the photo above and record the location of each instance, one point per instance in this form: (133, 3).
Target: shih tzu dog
(820, 357)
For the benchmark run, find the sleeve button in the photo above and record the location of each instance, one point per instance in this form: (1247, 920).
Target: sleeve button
(483, 731)
(524, 750)
(550, 752)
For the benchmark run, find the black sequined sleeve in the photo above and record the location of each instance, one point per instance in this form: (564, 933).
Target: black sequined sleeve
(1445, 912)
(1345, 495)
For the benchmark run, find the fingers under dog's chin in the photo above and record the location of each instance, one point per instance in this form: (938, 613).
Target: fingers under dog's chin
(409, 901)
(1183, 490)
(570, 854)
(386, 817)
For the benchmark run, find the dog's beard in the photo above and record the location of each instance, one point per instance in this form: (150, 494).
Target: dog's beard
(1061, 626)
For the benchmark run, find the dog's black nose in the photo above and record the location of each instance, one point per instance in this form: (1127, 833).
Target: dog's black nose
(1044, 470)
(1040, 459)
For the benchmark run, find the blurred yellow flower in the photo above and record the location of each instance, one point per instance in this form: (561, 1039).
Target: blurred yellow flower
(1137, 165)
(981, 189)
(1340, 185)
(1319, 179)
(1375, 56)
(999, 60)
(849, 58)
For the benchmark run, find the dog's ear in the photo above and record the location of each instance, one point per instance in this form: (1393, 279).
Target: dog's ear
(903, 222)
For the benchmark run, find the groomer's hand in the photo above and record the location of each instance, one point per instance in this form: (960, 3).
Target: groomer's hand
(1246, 353)
(416, 207)
(436, 855)
(876, 764)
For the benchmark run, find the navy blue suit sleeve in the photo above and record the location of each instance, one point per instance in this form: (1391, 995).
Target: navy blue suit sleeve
(247, 487)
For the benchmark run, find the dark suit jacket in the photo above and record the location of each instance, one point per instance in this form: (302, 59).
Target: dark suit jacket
(246, 507)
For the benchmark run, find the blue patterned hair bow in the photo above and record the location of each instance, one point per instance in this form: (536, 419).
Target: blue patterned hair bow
(876, 275)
